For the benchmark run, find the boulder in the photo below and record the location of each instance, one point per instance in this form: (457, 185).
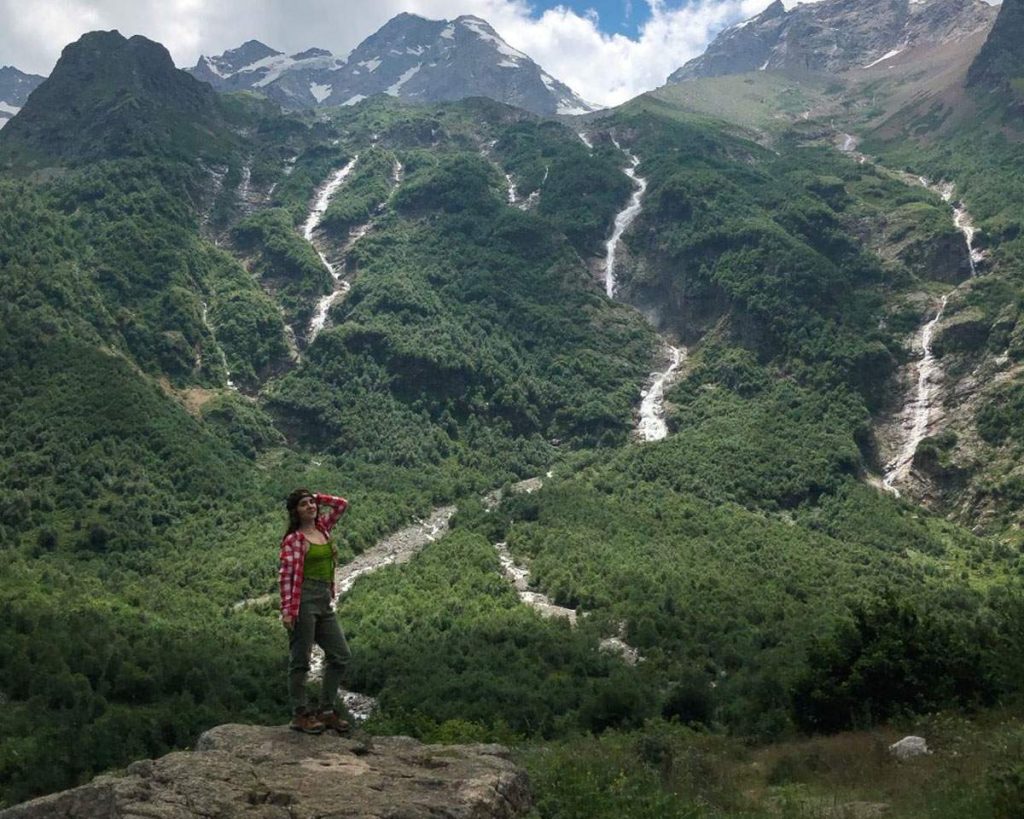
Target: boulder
(909, 748)
(272, 772)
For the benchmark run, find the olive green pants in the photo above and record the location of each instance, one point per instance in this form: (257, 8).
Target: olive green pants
(318, 624)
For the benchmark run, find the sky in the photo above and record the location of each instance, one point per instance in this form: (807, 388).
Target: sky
(606, 50)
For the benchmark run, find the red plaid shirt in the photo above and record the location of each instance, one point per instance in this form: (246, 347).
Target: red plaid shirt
(293, 555)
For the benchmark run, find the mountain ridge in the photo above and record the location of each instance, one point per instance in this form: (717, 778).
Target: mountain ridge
(1001, 60)
(835, 36)
(109, 95)
(410, 57)
(15, 87)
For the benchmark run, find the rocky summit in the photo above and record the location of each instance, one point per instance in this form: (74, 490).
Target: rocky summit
(15, 86)
(253, 771)
(836, 35)
(410, 57)
(111, 96)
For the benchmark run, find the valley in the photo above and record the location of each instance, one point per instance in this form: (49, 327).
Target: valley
(682, 439)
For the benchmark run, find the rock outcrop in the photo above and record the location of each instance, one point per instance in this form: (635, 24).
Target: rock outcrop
(264, 772)
(836, 35)
(15, 86)
(1001, 61)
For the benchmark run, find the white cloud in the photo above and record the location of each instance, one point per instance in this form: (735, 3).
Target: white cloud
(606, 69)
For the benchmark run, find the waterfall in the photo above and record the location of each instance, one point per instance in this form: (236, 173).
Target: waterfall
(652, 426)
(316, 214)
(918, 412)
(623, 220)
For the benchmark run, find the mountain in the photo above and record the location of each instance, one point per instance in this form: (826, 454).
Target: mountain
(410, 57)
(408, 305)
(294, 81)
(1001, 61)
(836, 35)
(15, 86)
(112, 96)
(429, 60)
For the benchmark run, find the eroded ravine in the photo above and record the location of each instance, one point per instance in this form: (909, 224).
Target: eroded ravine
(220, 350)
(918, 412)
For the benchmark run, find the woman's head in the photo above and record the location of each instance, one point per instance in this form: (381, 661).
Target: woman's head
(302, 508)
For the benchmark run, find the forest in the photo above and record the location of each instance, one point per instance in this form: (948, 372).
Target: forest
(771, 592)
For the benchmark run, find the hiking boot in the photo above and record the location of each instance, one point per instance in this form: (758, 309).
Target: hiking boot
(307, 723)
(333, 720)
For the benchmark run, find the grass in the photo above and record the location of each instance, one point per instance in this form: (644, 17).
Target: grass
(761, 101)
(667, 770)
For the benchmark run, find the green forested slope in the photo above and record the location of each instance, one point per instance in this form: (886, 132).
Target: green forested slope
(768, 589)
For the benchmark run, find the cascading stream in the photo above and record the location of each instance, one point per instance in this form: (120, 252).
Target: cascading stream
(962, 220)
(223, 358)
(652, 425)
(402, 546)
(918, 412)
(316, 215)
(623, 220)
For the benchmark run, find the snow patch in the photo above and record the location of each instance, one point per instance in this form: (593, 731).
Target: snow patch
(406, 76)
(320, 92)
(370, 65)
(549, 82)
(508, 64)
(478, 27)
(570, 111)
(887, 56)
(417, 51)
(275, 66)
(7, 108)
(214, 67)
(449, 32)
(355, 99)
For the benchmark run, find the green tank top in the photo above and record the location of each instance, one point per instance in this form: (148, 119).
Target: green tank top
(319, 563)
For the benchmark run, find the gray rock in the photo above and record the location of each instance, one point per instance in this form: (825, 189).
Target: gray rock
(909, 748)
(836, 35)
(266, 773)
(15, 86)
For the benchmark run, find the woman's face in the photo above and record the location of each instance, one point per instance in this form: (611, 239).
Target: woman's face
(307, 509)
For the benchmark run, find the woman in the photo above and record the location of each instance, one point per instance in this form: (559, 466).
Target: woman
(306, 576)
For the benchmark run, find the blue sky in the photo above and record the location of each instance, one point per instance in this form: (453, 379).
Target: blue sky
(613, 16)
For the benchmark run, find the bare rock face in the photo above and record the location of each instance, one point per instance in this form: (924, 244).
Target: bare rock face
(836, 35)
(256, 771)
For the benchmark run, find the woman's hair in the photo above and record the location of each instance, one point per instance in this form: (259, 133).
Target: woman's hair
(293, 508)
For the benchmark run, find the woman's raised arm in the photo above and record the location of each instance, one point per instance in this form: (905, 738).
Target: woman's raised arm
(337, 508)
